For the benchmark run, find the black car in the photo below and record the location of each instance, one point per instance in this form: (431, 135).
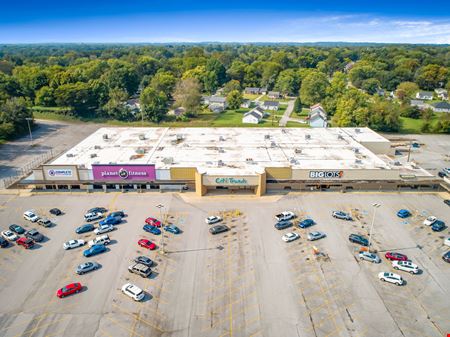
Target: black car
(97, 210)
(16, 229)
(3, 243)
(442, 174)
(55, 211)
(144, 260)
(283, 224)
(447, 202)
(116, 214)
(359, 239)
(438, 226)
(446, 257)
(218, 229)
(34, 235)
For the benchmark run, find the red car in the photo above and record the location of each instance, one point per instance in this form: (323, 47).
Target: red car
(396, 256)
(69, 290)
(26, 242)
(147, 244)
(153, 222)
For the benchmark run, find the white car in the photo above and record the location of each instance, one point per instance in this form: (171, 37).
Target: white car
(288, 237)
(30, 216)
(429, 221)
(133, 291)
(316, 236)
(73, 244)
(93, 216)
(10, 236)
(100, 240)
(104, 229)
(406, 266)
(213, 219)
(371, 257)
(391, 278)
(447, 241)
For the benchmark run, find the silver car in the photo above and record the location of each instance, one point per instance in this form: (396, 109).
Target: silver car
(87, 267)
(371, 257)
(316, 236)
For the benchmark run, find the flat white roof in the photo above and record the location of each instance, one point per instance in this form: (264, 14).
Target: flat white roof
(240, 150)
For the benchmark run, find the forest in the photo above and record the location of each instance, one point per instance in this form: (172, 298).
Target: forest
(357, 85)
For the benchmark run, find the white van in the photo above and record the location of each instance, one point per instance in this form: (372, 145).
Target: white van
(100, 240)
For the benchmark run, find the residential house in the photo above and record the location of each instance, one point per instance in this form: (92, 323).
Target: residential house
(254, 116)
(216, 108)
(177, 112)
(442, 93)
(420, 104)
(134, 105)
(380, 92)
(246, 103)
(215, 103)
(255, 91)
(441, 107)
(270, 105)
(427, 95)
(349, 66)
(274, 94)
(317, 117)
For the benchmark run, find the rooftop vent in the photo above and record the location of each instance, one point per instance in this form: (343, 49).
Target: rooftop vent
(105, 136)
(220, 163)
(140, 150)
(93, 155)
(397, 163)
(292, 160)
(297, 150)
(273, 144)
(248, 159)
(168, 160)
(307, 136)
(97, 147)
(70, 155)
(266, 136)
(357, 130)
(141, 136)
(221, 139)
(221, 150)
(340, 137)
(358, 161)
(179, 137)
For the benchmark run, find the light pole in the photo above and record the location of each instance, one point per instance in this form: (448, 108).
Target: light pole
(375, 206)
(160, 206)
(29, 129)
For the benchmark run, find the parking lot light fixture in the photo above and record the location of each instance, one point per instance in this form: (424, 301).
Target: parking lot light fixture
(29, 129)
(375, 206)
(160, 206)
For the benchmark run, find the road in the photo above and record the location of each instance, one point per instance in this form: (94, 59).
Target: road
(287, 113)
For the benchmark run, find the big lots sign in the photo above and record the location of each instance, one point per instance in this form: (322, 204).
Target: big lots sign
(124, 172)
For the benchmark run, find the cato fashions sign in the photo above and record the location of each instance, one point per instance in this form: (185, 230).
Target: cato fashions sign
(326, 174)
(124, 172)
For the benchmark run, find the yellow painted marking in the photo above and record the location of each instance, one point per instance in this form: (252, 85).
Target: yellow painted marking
(140, 319)
(122, 326)
(33, 330)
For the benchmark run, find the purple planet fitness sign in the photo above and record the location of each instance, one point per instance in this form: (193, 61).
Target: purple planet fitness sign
(124, 172)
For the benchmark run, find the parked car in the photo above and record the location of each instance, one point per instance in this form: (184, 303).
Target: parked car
(17, 229)
(73, 244)
(30, 216)
(55, 211)
(403, 213)
(447, 202)
(312, 236)
(438, 226)
(9, 235)
(85, 228)
(447, 241)
(140, 269)
(391, 277)
(94, 250)
(153, 222)
(69, 289)
(44, 222)
(146, 244)
(87, 267)
(104, 229)
(288, 237)
(144, 260)
(100, 240)
(342, 215)
(213, 219)
(405, 266)
(283, 225)
(359, 239)
(116, 214)
(306, 223)
(3, 242)
(152, 229)
(172, 229)
(393, 256)
(111, 221)
(93, 216)
(133, 291)
(368, 256)
(218, 229)
(25, 242)
(429, 221)
(34, 235)
(446, 257)
(284, 216)
(97, 210)
(442, 174)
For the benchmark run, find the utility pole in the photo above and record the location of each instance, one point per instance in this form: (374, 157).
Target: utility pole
(160, 206)
(409, 151)
(375, 206)
(29, 129)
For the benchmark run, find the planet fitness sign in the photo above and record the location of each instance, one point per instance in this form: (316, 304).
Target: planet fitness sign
(326, 174)
(124, 172)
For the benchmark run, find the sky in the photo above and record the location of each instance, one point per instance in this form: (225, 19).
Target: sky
(393, 21)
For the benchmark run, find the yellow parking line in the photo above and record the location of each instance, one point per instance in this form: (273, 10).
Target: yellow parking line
(140, 318)
(135, 320)
(105, 333)
(122, 326)
(59, 333)
(19, 324)
(33, 330)
(112, 203)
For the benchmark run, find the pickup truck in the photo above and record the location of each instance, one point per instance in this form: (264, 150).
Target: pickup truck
(283, 216)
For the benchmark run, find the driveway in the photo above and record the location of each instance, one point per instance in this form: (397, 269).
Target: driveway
(287, 113)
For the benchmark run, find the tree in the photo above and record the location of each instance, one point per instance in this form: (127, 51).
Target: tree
(188, 95)
(146, 65)
(431, 76)
(237, 71)
(359, 73)
(406, 90)
(121, 75)
(78, 96)
(45, 97)
(370, 85)
(234, 99)
(288, 82)
(313, 88)
(230, 86)
(384, 116)
(216, 75)
(30, 78)
(13, 115)
(337, 88)
(297, 105)
(115, 107)
(352, 109)
(165, 82)
(153, 104)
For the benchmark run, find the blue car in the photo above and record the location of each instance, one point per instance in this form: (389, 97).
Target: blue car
(111, 221)
(152, 229)
(85, 228)
(403, 213)
(306, 223)
(94, 250)
(438, 226)
(172, 229)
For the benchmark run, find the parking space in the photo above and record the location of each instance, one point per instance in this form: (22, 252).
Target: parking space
(244, 282)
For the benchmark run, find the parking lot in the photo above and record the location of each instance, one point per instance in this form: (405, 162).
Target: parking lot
(245, 282)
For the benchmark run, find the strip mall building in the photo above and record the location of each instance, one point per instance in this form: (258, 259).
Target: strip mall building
(230, 159)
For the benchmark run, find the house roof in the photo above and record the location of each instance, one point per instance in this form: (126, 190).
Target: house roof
(133, 101)
(440, 91)
(442, 105)
(274, 93)
(217, 99)
(271, 103)
(317, 114)
(256, 112)
(425, 93)
(417, 102)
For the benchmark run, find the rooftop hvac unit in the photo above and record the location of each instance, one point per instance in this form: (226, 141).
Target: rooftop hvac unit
(141, 137)
(307, 136)
(340, 137)
(93, 155)
(249, 159)
(356, 150)
(357, 130)
(273, 144)
(220, 163)
(168, 160)
(397, 163)
(105, 136)
(292, 160)
(266, 136)
(140, 150)
(97, 147)
(221, 139)
(179, 137)
(70, 155)
(298, 150)
(358, 161)
(221, 151)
